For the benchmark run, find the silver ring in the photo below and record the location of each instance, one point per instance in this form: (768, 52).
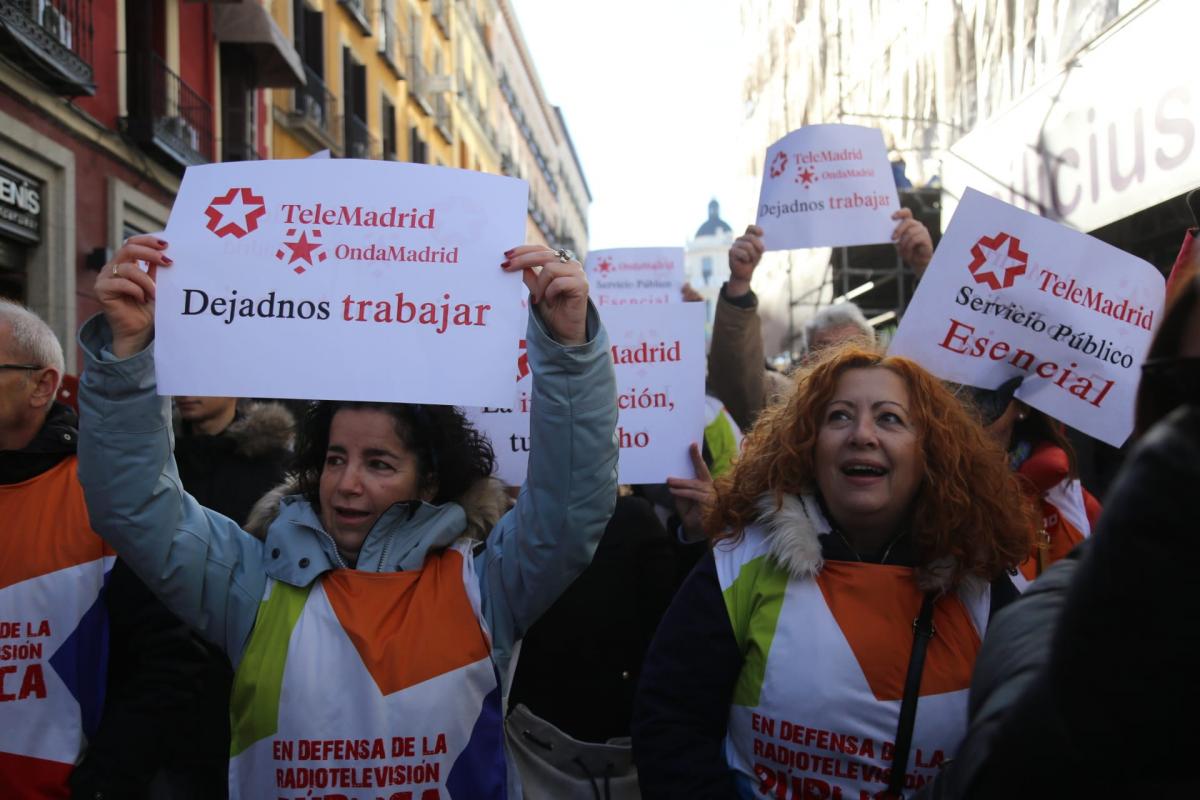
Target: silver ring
(564, 255)
(116, 270)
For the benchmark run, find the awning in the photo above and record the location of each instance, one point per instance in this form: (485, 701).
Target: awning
(249, 25)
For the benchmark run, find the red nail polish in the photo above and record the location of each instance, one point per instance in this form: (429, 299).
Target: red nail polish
(505, 265)
(167, 260)
(508, 253)
(161, 243)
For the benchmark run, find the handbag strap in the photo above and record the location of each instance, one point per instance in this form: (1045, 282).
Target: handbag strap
(923, 631)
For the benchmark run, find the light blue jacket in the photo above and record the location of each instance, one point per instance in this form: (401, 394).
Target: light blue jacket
(212, 574)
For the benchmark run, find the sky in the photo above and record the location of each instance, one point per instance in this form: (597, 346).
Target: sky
(651, 92)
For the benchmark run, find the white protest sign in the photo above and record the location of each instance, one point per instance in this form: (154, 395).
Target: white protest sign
(827, 186)
(635, 276)
(341, 279)
(1009, 293)
(658, 353)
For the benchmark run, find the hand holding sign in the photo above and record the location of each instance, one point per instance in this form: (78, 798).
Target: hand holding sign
(126, 293)
(693, 496)
(557, 286)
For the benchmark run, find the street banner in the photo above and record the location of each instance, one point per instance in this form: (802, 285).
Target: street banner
(341, 279)
(827, 186)
(1011, 294)
(626, 276)
(658, 353)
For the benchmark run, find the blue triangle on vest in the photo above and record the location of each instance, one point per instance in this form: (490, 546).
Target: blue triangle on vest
(82, 662)
(480, 771)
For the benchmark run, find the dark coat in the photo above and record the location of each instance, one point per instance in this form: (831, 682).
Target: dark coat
(1084, 687)
(229, 472)
(580, 663)
(155, 664)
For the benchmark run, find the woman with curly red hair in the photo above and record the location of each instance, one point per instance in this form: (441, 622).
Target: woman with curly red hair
(859, 546)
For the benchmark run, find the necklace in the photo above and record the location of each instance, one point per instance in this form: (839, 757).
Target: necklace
(887, 551)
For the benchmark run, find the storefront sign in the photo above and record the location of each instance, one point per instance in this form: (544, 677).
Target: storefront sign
(658, 353)
(341, 279)
(20, 205)
(827, 186)
(1117, 131)
(1010, 294)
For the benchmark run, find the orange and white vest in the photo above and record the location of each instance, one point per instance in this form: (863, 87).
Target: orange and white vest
(53, 632)
(815, 707)
(367, 685)
(1067, 512)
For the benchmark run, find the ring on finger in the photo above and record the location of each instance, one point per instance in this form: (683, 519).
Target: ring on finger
(116, 270)
(564, 255)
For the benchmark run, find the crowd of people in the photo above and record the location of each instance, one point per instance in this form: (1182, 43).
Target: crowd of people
(875, 585)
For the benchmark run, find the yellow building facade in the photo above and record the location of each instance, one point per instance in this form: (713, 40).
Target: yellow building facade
(419, 80)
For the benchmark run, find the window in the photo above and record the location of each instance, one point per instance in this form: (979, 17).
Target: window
(388, 127)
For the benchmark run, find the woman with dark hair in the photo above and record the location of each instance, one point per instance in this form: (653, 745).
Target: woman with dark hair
(373, 624)
(869, 506)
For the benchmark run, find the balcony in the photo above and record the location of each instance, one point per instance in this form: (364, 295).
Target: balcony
(418, 84)
(52, 40)
(391, 47)
(167, 114)
(440, 9)
(359, 13)
(359, 141)
(314, 111)
(441, 117)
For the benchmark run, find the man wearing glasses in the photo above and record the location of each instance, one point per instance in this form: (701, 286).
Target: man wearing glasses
(68, 610)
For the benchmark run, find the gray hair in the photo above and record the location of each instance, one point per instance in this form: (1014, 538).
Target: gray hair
(835, 317)
(32, 337)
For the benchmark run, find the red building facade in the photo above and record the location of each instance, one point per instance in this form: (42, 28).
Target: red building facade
(103, 105)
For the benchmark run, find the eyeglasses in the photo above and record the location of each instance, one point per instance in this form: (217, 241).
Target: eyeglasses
(20, 366)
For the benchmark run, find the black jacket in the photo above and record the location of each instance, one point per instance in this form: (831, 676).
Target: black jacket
(154, 662)
(229, 472)
(1087, 687)
(579, 664)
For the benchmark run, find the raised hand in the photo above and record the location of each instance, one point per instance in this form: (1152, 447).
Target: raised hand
(744, 255)
(557, 286)
(913, 241)
(126, 293)
(693, 496)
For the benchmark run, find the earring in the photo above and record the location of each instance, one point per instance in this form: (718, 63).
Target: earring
(1022, 416)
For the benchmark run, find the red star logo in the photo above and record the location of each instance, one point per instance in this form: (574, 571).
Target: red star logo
(302, 249)
(235, 213)
(806, 177)
(778, 164)
(522, 361)
(1002, 268)
(605, 265)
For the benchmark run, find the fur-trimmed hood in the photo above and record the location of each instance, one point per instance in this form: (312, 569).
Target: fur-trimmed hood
(258, 429)
(792, 534)
(484, 503)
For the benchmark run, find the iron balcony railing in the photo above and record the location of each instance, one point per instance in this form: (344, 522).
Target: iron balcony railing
(359, 141)
(441, 15)
(166, 112)
(314, 108)
(52, 39)
(441, 116)
(418, 83)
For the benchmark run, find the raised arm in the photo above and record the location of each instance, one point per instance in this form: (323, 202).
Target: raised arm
(200, 564)
(543, 543)
(735, 358)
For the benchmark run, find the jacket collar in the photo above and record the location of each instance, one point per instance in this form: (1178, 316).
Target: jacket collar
(297, 548)
(792, 527)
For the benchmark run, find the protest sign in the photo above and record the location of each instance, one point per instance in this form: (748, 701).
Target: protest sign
(827, 186)
(341, 279)
(635, 276)
(658, 354)
(1010, 294)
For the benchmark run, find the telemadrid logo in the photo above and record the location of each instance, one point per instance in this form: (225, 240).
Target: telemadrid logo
(235, 213)
(996, 265)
